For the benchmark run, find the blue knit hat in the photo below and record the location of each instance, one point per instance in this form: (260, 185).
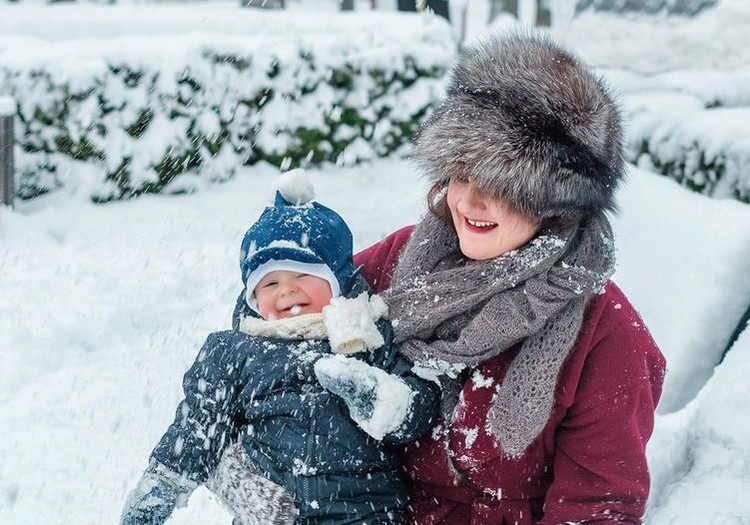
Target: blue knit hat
(296, 234)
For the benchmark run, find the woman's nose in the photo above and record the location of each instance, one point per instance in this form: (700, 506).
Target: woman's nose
(471, 200)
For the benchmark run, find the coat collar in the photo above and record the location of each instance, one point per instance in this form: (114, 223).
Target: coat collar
(308, 326)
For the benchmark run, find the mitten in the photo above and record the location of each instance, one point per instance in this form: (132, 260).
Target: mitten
(350, 323)
(252, 498)
(158, 492)
(378, 401)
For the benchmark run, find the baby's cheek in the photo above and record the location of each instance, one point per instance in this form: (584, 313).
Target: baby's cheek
(265, 306)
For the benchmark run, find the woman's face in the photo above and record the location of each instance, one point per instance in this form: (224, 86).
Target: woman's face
(486, 228)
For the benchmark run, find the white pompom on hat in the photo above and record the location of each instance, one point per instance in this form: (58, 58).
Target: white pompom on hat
(295, 187)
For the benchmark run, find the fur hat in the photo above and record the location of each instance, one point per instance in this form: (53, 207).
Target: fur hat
(531, 125)
(297, 234)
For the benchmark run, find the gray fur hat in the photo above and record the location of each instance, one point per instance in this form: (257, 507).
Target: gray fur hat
(531, 125)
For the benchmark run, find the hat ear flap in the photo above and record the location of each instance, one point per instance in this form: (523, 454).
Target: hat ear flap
(355, 284)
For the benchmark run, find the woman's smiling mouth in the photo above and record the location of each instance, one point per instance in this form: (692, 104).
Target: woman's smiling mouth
(479, 226)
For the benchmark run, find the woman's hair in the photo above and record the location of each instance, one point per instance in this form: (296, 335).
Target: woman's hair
(436, 201)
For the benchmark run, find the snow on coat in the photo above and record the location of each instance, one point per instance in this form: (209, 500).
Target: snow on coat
(587, 466)
(264, 392)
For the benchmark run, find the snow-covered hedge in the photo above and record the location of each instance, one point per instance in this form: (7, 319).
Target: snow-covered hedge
(693, 127)
(651, 7)
(684, 262)
(135, 114)
(708, 152)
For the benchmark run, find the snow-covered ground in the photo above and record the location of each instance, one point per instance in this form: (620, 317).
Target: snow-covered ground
(102, 308)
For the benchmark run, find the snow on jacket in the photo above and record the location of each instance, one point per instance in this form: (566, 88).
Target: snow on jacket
(587, 466)
(264, 391)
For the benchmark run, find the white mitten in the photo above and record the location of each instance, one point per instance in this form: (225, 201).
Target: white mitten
(350, 323)
(378, 402)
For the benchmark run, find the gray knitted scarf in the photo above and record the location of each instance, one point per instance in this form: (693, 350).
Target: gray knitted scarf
(452, 313)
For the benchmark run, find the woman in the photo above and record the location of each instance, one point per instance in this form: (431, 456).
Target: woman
(549, 378)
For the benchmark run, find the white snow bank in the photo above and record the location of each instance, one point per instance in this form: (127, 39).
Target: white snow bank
(700, 457)
(684, 262)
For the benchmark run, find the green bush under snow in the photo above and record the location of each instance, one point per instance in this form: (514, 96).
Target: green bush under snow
(690, 126)
(136, 115)
(145, 124)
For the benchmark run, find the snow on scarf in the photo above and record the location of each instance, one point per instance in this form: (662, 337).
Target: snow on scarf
(452, 313)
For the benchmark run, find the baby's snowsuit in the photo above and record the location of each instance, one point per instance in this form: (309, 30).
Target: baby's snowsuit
(263, 391)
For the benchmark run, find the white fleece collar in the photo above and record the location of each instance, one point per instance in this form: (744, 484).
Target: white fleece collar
(348, 323)
(307, 326)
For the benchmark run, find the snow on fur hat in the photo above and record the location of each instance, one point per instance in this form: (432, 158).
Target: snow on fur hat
(530, 125)
(298, 235)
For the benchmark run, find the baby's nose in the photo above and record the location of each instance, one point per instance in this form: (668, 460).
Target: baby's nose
(289, 289)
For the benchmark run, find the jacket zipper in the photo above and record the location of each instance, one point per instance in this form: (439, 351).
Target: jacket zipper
(310, 449)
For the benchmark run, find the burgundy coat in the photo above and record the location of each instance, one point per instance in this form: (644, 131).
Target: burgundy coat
(588, 464)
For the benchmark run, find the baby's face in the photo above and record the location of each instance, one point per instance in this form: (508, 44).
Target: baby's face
(281, 294)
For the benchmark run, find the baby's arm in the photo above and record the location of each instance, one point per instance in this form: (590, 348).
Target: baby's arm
(395, 407)
(252, 498)
(193, 444)
(425, 403)
(157, 494)
(384, 397)
(205, 420)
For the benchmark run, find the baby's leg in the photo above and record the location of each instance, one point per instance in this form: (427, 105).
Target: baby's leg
(252, 498)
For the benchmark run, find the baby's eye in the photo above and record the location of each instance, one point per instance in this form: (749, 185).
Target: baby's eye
(269, 284)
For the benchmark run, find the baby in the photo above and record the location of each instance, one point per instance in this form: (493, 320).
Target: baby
(305, 400)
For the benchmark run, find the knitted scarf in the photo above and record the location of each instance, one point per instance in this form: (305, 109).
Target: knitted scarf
(452, 313)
